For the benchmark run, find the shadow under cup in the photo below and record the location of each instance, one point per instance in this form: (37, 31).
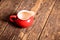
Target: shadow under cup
(23, 18)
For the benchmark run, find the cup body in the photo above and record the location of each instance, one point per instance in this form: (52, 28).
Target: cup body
(22, 22)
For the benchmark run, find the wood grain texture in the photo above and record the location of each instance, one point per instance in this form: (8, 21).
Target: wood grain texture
(15, 31)
(7, 33)
(26, 32)
(37, 6)
(43, 13)
(27, 6)
(52, 27)
(2, 26)
(43, 8)
(6, 8)
(2, 23)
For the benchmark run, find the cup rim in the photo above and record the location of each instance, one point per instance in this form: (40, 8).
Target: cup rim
(31, 12)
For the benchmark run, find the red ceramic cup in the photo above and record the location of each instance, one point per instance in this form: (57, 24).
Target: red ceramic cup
(24, 18)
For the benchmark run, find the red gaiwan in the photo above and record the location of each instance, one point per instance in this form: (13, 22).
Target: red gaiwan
(24, 18)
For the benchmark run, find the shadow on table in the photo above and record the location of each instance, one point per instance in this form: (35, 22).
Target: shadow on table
(5, 18)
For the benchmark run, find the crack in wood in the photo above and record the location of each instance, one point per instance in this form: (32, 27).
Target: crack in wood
(51, 8)
(47, 12)
(7, 22)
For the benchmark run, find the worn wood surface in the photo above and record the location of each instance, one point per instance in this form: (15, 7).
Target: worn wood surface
(52, 27)
(46, 22)
(42, 16)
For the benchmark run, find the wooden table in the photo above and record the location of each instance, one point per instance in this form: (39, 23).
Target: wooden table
(46, 24)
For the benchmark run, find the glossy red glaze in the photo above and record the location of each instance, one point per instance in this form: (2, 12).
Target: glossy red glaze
(22, 23)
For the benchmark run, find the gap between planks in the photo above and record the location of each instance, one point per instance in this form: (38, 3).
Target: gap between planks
(52, 27)
(47, 19)
(6, 22)
(50, 10)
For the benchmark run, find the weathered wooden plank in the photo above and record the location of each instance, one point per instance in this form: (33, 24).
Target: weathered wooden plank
(27, 6)
(43, 13)
(3, 24)
(28, 29)
(6, 8)
(52, 27)
(7, 33)
(16, 31)
(37, 4)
